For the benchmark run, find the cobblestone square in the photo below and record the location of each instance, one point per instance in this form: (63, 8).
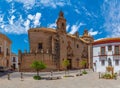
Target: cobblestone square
(90, 80)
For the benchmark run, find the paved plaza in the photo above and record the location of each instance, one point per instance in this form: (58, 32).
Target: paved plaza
(90, 80)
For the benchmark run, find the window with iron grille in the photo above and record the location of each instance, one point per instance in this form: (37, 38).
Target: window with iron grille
(102, 50)
(116, 49)
(116, 62)
(109, 47)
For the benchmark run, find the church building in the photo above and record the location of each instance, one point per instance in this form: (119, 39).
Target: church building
(52, 46)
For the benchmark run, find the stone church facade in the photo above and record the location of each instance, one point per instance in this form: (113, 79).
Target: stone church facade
(52, 46)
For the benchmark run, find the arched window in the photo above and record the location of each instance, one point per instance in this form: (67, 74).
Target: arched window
(109, 62)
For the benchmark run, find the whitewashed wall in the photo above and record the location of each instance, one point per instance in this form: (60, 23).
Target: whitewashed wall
(96, 59)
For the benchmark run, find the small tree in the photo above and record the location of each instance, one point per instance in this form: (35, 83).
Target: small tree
(65, 64)
(38, 65)
(83, 64)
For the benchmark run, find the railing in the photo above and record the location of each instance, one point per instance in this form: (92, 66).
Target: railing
(102, 53)
(102, 56)
(116, 55)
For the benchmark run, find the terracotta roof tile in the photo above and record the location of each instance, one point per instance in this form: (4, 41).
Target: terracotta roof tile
(106, 40)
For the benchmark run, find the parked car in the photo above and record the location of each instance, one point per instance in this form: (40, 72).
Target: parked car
(3, 69)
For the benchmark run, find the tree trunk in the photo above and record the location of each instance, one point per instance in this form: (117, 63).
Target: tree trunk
(84, 68)
(65, 72)
(80, 70)
(37, 73)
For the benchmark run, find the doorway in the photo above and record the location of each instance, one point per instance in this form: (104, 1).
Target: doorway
(14, 66)
(70, 65)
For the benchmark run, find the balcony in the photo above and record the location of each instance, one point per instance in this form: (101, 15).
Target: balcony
(102, 56)
(116, 55)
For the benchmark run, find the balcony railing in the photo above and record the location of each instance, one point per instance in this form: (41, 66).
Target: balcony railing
(102, 56)
(102, 53)
(116, 55)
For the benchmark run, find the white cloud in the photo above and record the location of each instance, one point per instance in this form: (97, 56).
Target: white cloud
(16, 28)
(12, 9)
(25, 40)
(11, 19)
(28, 4)
(2, 26)
(87, 12)
(111, 14)
(67, 27)
(30, 17)
(27, 24)
(53, 25)
(77, 11)
(36, 19)
(98, 39)
(1, 18)
(20, 25)
(54, 3)
(93, 33)
(75, 27)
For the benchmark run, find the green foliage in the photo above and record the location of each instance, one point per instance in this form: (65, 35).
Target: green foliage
(83, 63)
(66, 63)
(84, 72)
(38, 65)
(36, 77)
(109, 76)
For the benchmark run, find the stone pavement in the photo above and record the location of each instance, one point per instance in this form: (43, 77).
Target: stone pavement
(91, 80)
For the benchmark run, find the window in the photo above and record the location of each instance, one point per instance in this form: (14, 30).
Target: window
(102, 50)
(7, 51)
(116, 62)
(116, 49)
(77, 46)
(62, 24)
(109, 47)
(14, 60)
(40, 46)
(102, 62)
(0, 50)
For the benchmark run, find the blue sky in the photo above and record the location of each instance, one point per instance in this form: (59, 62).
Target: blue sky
(100, 17)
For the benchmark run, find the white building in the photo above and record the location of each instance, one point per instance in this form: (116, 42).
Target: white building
(106, 52)
(14, 62)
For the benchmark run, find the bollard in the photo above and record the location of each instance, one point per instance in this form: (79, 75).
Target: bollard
(8, 76)
(21, 76)
(99, 75)
(51, 73)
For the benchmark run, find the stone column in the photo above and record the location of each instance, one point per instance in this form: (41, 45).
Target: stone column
(89, 55)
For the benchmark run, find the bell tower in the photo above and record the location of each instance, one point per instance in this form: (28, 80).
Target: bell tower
(61, 23)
